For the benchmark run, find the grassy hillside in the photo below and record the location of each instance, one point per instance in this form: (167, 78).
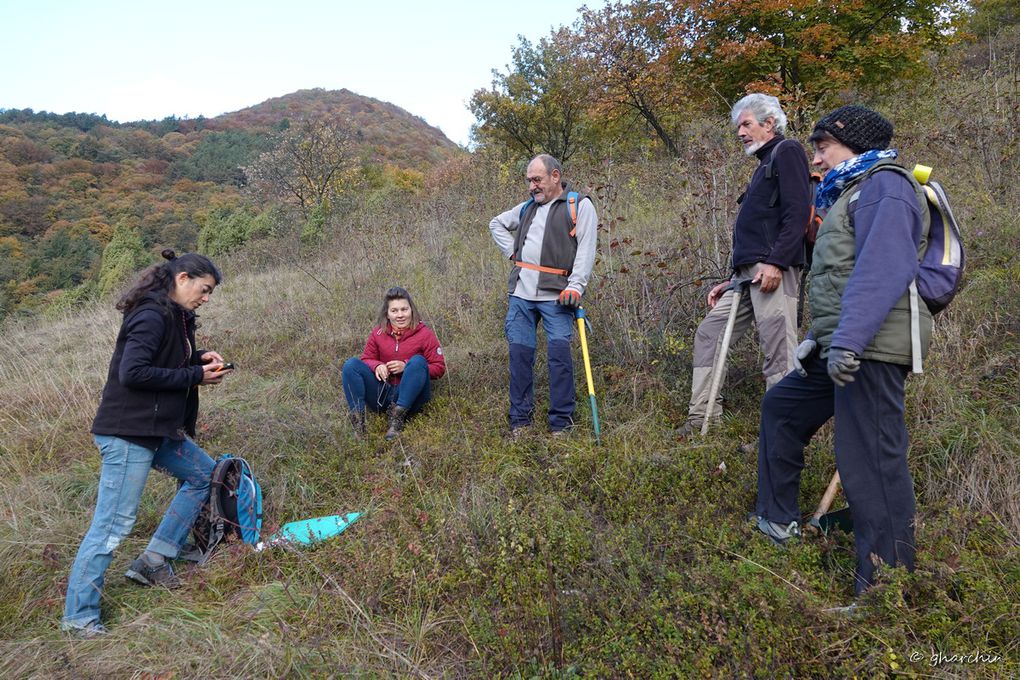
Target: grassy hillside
(67, 182)
(479, 557)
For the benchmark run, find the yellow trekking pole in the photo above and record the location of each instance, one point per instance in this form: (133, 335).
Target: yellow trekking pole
(581, 321)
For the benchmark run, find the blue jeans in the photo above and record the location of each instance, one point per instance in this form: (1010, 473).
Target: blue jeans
(121, 481)
(522, 319)
(362, 388)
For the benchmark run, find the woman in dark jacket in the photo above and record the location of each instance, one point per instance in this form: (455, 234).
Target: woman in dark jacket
(146, 419)
(395, 372)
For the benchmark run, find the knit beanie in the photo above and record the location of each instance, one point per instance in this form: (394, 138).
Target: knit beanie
(858, 128)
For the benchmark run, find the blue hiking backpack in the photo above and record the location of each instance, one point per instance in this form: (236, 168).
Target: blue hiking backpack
(943, 261)
(941, 266)
(234, 507)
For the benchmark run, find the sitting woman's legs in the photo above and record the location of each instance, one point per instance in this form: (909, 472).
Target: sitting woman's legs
(415, 387)
(361, 387)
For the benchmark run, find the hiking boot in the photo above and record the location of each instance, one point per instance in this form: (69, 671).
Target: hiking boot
(90, 631)
(748, 448)
(560, 434)
(147, 574)
(519, 432)
(357, 419)
(398, 418)
(778, 533)
(690, 429)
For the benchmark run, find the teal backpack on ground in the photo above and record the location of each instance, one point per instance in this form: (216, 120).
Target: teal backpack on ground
(234, 507)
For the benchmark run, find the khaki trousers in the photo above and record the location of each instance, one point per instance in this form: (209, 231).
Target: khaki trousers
(775, 315)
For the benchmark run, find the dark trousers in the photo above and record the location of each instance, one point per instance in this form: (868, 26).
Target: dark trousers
(871, 455)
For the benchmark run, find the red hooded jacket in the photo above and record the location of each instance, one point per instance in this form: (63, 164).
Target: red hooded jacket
(384, 345)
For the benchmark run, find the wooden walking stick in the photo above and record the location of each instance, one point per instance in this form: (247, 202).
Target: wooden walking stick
(719, 367)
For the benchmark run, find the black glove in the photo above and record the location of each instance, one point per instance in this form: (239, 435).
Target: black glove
(842, 365)
(802, 352)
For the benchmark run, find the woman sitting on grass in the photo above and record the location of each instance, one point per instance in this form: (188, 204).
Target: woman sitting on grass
(395, 372)
(146, 417)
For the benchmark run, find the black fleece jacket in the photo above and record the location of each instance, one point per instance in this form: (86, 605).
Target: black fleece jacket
(152, 383)
(774, 234)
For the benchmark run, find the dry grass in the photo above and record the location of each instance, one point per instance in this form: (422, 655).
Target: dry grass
(480, 557)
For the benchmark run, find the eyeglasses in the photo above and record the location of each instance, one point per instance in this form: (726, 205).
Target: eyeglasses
(535, 180)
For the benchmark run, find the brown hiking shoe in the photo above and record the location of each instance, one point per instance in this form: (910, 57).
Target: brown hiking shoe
(398, 418)
(147, 574)
(357, 419)
(691, 428)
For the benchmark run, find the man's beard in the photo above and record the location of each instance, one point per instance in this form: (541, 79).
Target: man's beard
(750, 150)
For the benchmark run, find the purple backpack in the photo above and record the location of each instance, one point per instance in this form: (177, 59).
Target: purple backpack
(941, 266)
(943, 261)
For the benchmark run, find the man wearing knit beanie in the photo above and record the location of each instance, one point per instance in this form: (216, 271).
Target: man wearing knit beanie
(866, 328)
(858, 128)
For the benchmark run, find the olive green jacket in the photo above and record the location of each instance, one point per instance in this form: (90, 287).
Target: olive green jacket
(834, 260)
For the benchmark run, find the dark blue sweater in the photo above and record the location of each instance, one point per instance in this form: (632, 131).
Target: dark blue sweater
(774, 234)
(151, 385)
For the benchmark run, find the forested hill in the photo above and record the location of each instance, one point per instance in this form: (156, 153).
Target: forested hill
(386, 133)
(69, 181)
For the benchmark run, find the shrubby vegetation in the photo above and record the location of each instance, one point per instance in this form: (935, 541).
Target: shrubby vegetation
(479, 557)
(67, 180)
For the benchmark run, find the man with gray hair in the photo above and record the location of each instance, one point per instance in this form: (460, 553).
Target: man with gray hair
(768, 251)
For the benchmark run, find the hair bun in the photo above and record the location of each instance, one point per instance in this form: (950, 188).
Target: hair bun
(169, 254)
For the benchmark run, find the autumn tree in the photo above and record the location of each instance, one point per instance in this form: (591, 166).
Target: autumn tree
(660, 62)
(123, 256)
(636, 56)
(312, 165)
(540, 104)
(804, 51)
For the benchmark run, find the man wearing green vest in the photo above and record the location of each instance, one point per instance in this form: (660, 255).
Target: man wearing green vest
(854, 362)
(550, 238)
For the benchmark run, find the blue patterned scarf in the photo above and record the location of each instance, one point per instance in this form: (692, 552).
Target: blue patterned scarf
(835, 180)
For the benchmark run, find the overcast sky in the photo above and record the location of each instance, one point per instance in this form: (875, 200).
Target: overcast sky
(146, 60)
